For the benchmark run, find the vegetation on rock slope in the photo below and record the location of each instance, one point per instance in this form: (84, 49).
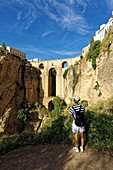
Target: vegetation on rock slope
(56, 129)
(107, 41)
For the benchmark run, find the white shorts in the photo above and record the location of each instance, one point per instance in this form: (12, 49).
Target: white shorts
(76, 129)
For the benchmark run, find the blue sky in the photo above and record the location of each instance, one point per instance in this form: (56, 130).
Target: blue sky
(51, 29)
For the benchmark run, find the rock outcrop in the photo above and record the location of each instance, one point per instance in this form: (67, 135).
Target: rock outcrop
(94, 85)
(18, 83)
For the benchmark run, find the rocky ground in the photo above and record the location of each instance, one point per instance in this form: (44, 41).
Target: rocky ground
(55, 157)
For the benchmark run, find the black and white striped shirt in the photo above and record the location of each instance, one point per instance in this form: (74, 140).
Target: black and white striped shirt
(76, 108)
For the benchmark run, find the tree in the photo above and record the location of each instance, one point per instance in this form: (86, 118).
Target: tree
(3, 46)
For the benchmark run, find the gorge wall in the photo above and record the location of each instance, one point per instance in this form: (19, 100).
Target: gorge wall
(18, 83)
(94, 85)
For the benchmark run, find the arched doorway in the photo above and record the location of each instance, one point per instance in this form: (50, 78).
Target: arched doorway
(52, 82)
(50, 106)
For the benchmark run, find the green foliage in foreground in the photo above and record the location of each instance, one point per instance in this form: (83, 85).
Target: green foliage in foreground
(59, 131)
(99, 133)
(99, 130)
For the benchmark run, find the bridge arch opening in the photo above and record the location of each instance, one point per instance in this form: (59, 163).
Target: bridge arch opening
(41, 66)
(52, 82)
(64, 64)
(50, 106)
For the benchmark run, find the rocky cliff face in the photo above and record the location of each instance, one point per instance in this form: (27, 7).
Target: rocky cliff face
(94, 85)
(18, 82)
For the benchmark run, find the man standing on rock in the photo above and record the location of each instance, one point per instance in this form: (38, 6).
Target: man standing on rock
(78, 124)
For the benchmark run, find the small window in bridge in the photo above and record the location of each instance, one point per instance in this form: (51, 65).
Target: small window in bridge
(64, 64)
(41, 66)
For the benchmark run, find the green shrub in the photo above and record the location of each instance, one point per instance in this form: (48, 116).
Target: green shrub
(6, 143)
(36, 104)
(24, 139)
(65, 73)
(22, 117)
(59, 131)
(75, 81)
(103, 106)
(99, 130)
(106, 42)
(84, 103)
(94, 62)
(59, 105)
(96, 86)
(93, 52)
(108, 109)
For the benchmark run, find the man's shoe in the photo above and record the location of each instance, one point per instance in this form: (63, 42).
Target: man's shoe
(76, 149)
(81, 149)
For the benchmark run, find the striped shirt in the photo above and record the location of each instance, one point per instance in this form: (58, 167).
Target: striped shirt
(76, 108)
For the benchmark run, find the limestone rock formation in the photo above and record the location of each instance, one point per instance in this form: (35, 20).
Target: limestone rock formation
(95, 85)
(18, 82)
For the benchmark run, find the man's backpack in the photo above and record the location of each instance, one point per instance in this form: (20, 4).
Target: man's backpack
(79, 120)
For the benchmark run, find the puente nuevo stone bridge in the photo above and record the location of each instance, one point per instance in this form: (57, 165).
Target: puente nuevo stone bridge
(52, 81)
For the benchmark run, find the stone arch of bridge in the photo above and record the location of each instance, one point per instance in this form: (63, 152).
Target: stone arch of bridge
(52, 82)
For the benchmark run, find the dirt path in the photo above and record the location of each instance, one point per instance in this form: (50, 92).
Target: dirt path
(54, 157)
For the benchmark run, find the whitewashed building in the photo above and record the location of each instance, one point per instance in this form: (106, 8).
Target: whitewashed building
(104, 28)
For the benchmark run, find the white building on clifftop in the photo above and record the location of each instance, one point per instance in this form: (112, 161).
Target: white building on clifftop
(100, 34)
(104, 28)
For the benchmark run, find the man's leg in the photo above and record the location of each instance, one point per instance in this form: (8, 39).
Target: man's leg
(82, 139)
(76, 139)
(76, 142)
